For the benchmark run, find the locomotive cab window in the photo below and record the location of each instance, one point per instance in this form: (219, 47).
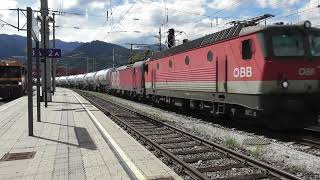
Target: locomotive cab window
(10, 72)
(288, 44)
(314, 41)
(247, 49)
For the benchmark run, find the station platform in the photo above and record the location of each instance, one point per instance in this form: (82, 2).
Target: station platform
(74, 140)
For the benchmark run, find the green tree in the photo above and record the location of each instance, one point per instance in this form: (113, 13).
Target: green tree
(139, 56)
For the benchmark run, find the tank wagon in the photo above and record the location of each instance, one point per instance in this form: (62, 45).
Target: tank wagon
(80, 81)
(267, 74)
(89, 81)
(70, 80)
(63, 81)
(56, 79)
(102, 80)
(13, 80)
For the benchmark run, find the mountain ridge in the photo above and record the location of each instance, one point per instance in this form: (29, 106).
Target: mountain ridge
(16, 45)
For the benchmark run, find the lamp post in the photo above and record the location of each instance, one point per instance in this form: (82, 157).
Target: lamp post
(54, 62)
(45, 19)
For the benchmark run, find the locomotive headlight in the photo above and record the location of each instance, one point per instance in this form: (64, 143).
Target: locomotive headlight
(19, 83)
(285, 84)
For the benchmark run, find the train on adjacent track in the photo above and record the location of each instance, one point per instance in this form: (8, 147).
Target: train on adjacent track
(12, 79)
(265, 73)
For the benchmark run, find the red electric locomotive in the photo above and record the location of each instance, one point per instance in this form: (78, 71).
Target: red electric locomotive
(264, 72)
(129, 80)
(122, 80)
(12, 79)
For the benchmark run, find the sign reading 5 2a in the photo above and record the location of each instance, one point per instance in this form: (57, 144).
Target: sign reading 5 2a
(50, 53)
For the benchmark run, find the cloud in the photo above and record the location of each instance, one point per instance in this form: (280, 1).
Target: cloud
(276, 3)
(310, 11)
(97, 5)
(10, 17)
(140, 22)
(223, 4)
(146, 16)
(62, 5)
(151, 15)
(7, 4)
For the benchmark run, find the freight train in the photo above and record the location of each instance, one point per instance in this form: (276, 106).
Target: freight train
(268, 74)
(12, 79)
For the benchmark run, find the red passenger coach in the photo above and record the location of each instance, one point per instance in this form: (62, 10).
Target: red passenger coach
(266, 72)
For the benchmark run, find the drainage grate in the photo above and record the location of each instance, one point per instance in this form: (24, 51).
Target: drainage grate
(17, 156)
(256, 141)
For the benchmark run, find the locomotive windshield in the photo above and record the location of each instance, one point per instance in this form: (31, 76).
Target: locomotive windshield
(10, 72)
(314, 41)
(288, 44)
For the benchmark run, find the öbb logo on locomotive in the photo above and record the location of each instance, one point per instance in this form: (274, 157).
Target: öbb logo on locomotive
(306, 71)
(242, 72)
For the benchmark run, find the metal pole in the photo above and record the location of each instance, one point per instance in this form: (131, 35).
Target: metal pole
(160, 48)
(54, 62)
(45, 62)
(18, 10)
(46, 66)
(38, 83)
(29, 46)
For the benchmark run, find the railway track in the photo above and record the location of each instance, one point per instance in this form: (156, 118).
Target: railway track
(191, 156)
(315, 130)
(311, 137)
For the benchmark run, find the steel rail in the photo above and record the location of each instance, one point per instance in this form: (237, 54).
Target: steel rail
(313, 136)
(315, 130)
(190, 170)
(243, 158)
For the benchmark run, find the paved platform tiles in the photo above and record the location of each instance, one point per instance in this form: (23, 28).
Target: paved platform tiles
(68, 144)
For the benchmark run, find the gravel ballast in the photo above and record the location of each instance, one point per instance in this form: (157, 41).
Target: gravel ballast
(273, 152)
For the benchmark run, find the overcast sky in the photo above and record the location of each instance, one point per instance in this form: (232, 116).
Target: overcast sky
(138, 21)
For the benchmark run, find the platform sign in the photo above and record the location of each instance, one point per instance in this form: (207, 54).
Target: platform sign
(50, 53)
